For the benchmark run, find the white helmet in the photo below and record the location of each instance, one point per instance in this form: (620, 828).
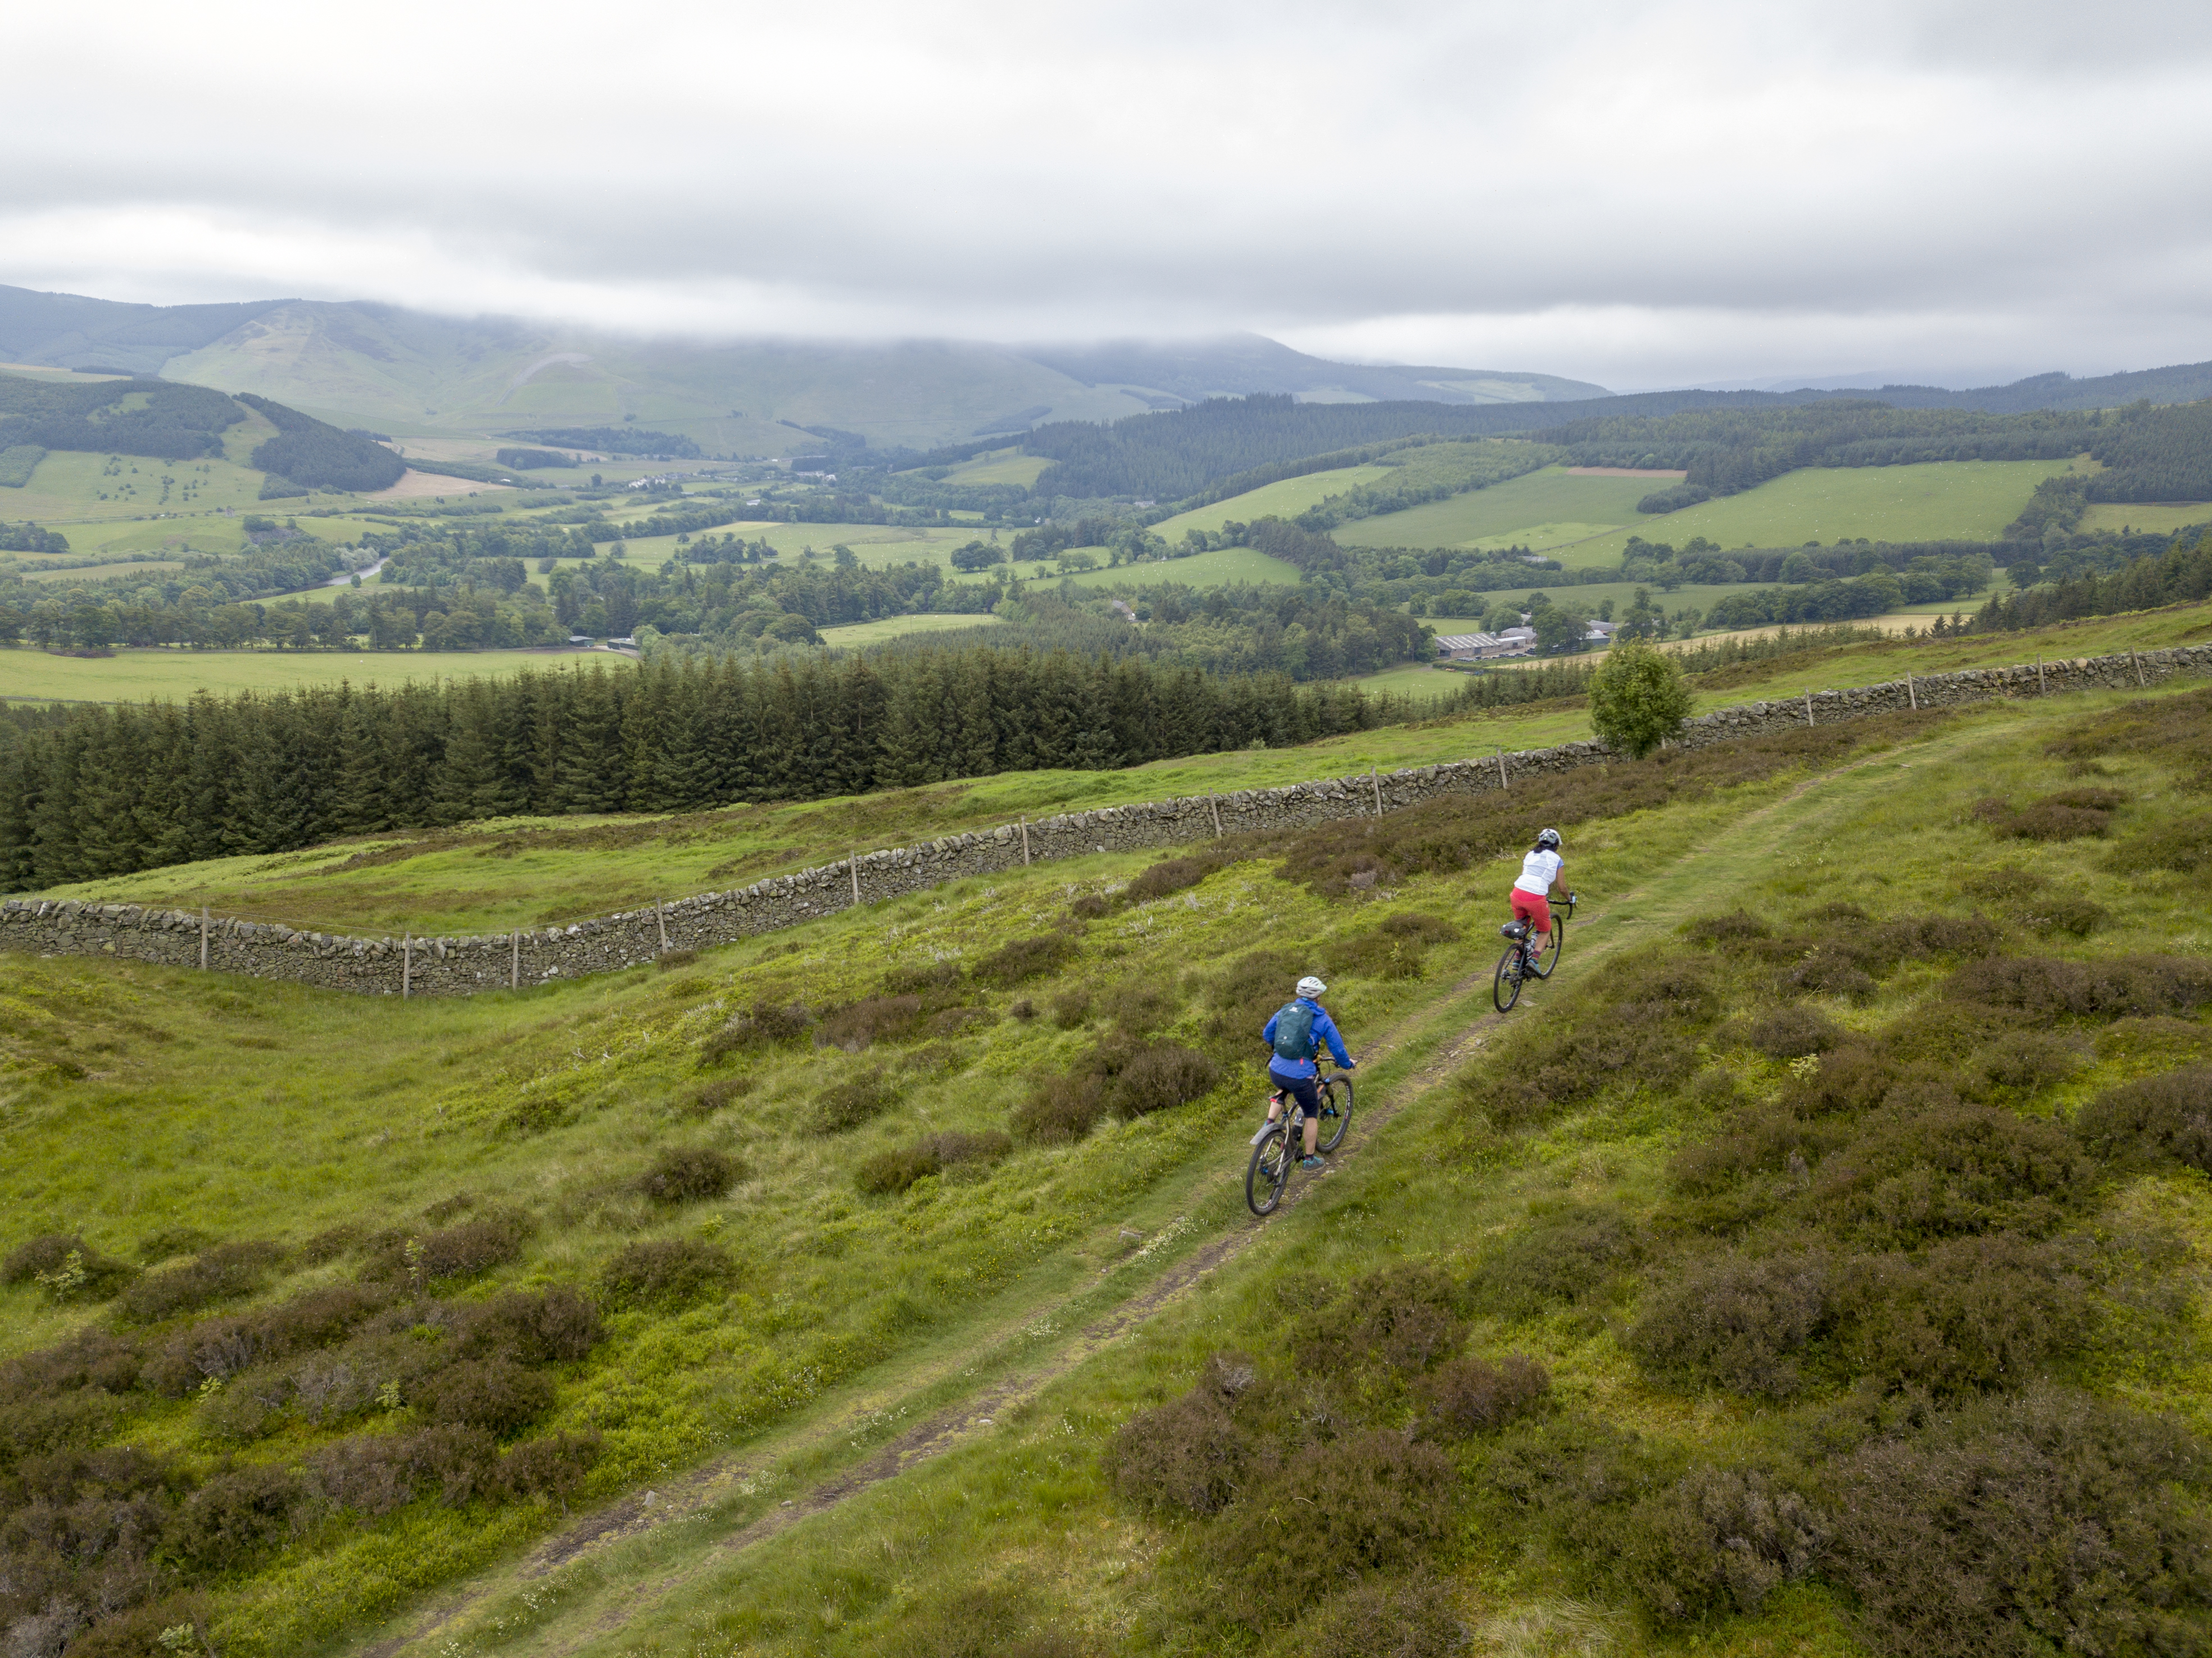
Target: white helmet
(1311, 986)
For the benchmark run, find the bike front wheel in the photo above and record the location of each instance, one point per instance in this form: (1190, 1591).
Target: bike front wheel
(1505, 990)
(1335, 1112)
(1545, 958)
(1270, 1171)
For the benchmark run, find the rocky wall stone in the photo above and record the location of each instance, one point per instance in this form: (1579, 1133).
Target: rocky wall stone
(466, 966)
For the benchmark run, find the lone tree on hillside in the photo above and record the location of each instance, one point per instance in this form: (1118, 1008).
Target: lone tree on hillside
(1637, 698)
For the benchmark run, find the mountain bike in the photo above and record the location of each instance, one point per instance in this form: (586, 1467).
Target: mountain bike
(1527, 958)
(1275, 1147)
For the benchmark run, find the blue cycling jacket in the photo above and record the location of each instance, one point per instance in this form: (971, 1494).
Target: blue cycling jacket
(1324, 1031)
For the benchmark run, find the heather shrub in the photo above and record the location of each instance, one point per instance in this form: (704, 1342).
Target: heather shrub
(766, 1026)
(1637, 1018)
(137, 1631)
(495, 1394)
(669, 960)
(2070, 815)
(895, 1171)
(1562, 1256)
(1070, 1007)
(1738, 924)
(1192, 1452)
(43, 1424)
(978, 1620)
(1467, 1396)
(1410, 1617)
(1159, 1078)
(722, 1092)
(1137, 1007)
(2046, 987)
(1393, 949)
(1246, 994)
(67, 1267)
(874, 1018)
(690, 1174)
(1022, 960)
(850, 1103)
(222, 1273)
(1969, 1314)
(1830, 972)
(551, 1466)
(92, 1360)
(1169, 875)
(222, 1347)
(551, 1326)
(2168, 1116)
(2028, 1061)
(1789, 1032)
(1059, 1110)
(1716, 1541)
(466, 1250)
(1402, 1318)
(1909, 1178)
(1736, 1323)
(1372, 1502)
(2064, 912)
(667, 1271)
(233, 1519)
(2183, 845)
(2045, 1522)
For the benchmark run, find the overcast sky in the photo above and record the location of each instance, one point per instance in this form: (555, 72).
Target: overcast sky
(1636, 194)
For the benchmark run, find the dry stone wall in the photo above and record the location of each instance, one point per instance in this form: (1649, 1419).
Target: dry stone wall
(460, 967)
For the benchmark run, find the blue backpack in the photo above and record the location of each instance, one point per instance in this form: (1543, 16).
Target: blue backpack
(1294, 1032)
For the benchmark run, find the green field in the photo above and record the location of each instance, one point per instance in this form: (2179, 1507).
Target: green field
(856, 634)
(1001, 466)
(1509, 514)
(1585, 521)
(139, 675)
(886, 1428)
(1285, 500)
(2156, 517)
(69, 486)
(1218, 568)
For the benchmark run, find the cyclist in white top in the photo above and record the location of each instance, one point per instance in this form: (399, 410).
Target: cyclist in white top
(1540, 869)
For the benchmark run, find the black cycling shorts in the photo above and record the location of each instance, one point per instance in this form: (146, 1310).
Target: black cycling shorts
(1306, 1090)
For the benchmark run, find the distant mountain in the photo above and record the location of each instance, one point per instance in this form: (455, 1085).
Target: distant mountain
(68, 331)
(416, 375)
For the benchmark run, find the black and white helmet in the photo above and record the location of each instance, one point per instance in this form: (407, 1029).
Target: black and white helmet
(1548, 840)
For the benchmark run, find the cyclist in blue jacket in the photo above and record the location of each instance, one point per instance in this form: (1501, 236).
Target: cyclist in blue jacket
(1295, 1035)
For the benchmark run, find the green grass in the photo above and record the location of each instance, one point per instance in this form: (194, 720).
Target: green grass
(2155, 517)
(1285, 500)
(1218, 568)
(1960, 499)
(1585, 522)
(139, 675)
(67, 487)
(267, 1111)
(1001, 466)
(856, 634)
(1509, 514)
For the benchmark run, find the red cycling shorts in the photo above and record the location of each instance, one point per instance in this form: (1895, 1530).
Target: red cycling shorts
(1534, 908)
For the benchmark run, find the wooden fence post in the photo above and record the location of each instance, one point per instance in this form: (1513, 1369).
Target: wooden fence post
(853, 867)
(204, 938)
(1025, 843)
(514, 963)
(660, 921)
(1214, 801)
(1502, 783)
(1375, 777)
(2135, 662)
(406, 967)
(1911, 695)
(1809, 708)
(2041, 689)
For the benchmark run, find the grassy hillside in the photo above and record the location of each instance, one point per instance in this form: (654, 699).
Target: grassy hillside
(1537, 511)
(1285, 500)
(524, 871)
(847, 1270)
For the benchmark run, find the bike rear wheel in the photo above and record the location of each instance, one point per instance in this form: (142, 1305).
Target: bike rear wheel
(1335, 1112)
(1505, 990)
(1270, 1170)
